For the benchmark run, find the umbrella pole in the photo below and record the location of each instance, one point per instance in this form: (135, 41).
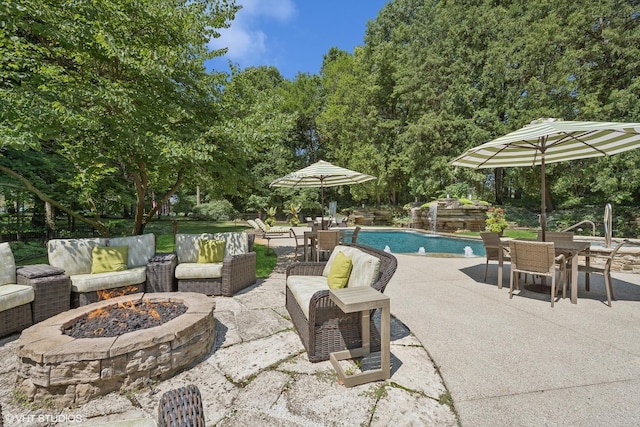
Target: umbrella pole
(321, 204)
(543, 213)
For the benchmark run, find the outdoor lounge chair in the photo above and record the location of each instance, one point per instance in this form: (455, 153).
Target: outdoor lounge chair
(267, 230)
(323, 328)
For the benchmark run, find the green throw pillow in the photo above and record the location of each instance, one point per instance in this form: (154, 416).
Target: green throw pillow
(210, 251)
(339, 271)
(108, 258)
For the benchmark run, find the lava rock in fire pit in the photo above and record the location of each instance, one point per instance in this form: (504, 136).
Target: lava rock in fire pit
(119, 319)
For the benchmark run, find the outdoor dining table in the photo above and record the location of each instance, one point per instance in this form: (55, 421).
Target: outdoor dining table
(566, 248)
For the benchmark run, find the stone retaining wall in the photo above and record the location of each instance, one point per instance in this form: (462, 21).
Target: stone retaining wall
(451, 216)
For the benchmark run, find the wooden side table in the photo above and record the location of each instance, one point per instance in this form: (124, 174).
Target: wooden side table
(364, 299)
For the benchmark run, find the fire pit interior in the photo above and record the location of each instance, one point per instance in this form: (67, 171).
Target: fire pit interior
(118, 319)
(69, 370)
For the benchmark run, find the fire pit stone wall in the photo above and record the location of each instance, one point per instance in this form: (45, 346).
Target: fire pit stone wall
(68, 371)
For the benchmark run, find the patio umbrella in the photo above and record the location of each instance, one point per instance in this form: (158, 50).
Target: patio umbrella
(321, 174)
(549, 141)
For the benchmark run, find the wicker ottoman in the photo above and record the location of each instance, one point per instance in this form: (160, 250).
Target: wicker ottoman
(51, 286)
(181, 407)
(160, 273)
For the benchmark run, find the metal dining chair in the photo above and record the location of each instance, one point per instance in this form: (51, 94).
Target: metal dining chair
(537, 258)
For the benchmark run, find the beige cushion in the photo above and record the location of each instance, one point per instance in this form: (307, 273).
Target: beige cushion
(141, 248)
(114, 279)
(365, 266)
(187, 244)
(194, 270)
(12, 296)
(303, 288)
(73, 255)
(7, 265)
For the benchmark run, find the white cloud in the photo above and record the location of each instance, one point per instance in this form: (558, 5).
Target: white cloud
(282, 10)
(245, 39)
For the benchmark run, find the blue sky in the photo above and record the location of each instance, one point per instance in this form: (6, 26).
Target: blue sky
(293, 35)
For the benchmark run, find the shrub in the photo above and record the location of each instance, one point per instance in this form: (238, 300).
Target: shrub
(496, 221)
(217, 210)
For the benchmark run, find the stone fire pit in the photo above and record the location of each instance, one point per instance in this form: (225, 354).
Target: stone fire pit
(70, 371)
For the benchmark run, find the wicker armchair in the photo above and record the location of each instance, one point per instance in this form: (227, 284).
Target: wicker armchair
(15, 299)
(328, 329)
(237, 271)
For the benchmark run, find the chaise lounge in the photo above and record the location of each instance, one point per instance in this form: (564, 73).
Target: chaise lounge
(321, 325)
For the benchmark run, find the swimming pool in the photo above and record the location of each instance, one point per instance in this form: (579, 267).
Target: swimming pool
(407, 241)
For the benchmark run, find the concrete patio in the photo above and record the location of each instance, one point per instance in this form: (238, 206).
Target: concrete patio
(519, 362)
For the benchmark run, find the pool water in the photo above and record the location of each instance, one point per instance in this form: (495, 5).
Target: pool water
(402, 242)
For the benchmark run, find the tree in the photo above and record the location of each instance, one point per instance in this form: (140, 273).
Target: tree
(112, 87)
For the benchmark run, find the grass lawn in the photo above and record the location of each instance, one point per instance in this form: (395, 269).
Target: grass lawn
(36, 253)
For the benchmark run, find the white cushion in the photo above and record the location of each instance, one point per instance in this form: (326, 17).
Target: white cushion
(194, 270)
(12, 296)
(187, 244)
(303, 288)
(365, 266)
(114, 279)
(7, 265)
(141, 248)
(73, 255)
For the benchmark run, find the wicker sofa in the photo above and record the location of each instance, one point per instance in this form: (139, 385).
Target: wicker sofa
(74, 256)
(322, 326)
(237, 271)
(29, 294)
(15, 300)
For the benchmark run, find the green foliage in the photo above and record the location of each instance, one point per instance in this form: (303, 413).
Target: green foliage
(271, 216)
(113, 101)
(294, 212)
(265, 261)
(217, 210)
(26, 253)
(496, 221)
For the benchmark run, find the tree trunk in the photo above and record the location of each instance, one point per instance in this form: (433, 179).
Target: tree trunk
(50, 220)
(498, 173)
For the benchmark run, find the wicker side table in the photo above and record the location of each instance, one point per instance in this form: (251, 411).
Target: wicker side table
(161, 273)
(51, 286)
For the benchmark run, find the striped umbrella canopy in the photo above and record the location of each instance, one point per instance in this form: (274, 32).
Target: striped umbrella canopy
(321, 174)
(550, 141)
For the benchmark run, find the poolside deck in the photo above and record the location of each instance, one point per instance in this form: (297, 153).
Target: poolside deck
(519, 362)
